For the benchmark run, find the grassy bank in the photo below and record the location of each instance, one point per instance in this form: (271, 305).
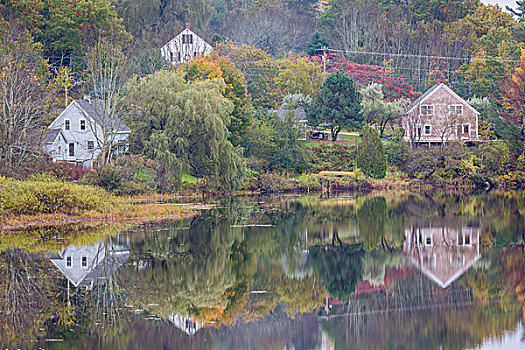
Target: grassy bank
(44, 201)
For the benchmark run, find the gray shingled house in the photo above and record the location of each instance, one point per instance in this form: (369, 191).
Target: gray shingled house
(74, 136)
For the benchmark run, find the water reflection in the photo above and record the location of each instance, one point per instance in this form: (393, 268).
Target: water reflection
(440, 270)
(442, 252)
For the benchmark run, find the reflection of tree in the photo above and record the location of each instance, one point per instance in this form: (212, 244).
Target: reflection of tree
(302, 295)
(339, 267)
(187, 272)
(25, 293)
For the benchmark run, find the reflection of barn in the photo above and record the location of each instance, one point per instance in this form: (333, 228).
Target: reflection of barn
(86, 266)
(186, 324)
(443, 253)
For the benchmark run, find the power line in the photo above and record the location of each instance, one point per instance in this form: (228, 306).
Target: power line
(375, 53)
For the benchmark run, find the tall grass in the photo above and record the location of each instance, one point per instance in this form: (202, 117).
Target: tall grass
(44, 195)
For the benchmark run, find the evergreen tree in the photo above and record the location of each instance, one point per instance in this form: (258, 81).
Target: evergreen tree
(316, 43)
(338, 104)
(371, 158)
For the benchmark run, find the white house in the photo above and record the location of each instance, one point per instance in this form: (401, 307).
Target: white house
(76, 134)
(184, 47)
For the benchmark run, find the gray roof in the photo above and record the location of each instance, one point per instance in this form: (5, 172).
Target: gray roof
(95, 109)
(51, 135)
(300, 114)
(420, 98)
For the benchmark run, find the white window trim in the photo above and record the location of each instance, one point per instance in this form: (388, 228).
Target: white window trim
(427, 114)
(80, 124)
(74, 150)
(463, 129)
(455, 109)
(65, 120)
(424, 130)
(71, 266)
(87, 145)
(431, 240)
(82, 261)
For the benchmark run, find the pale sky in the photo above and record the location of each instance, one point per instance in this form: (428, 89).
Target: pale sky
(501, 3)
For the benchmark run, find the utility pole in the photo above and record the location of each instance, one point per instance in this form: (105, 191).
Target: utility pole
(324, 58)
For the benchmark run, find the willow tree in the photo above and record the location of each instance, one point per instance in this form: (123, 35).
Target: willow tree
(192, 118)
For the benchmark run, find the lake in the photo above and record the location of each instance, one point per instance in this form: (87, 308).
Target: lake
(377, 271)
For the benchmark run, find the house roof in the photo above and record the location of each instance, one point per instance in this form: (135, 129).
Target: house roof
(430, 91)
(299, 113)
(187, 31)
(95, 109)
(420, 98)
(51, 135)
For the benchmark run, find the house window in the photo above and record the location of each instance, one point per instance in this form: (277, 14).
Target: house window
(178, 56)
(463, 129)
(418, 131)
(67, 124)
(466, 239)
(195, 54)
(60, 150)
(427, 130)
(69, 261)
(91, 145)
(456, 109)
(82, 124)
(71, 149)
(171, 56)
(428, 240)
(84, 261)
(187, 39)
(427, 110)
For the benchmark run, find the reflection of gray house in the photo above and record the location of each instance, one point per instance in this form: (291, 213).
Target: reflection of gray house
(443, 253)
(88, 265)
(299, 117)
(186, 324)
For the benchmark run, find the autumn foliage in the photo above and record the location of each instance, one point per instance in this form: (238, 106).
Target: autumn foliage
(363, 74)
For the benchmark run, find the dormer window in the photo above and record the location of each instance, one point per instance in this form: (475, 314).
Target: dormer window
(427, 110)
(455, 109)
(67, 124)
(187, 39)
(69, 261)
(82, 124)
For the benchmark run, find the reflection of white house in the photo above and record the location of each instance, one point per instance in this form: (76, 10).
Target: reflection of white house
(443, 253)
(186, 324)
(184, 47)
(88, 265)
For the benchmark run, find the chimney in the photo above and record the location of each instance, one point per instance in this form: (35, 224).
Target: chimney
(187, 26)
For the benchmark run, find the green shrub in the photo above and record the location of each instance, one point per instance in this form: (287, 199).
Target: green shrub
(370, 155)
(42, 195)
(332, 157)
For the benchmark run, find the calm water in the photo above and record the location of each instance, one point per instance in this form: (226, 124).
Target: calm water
(392, 271)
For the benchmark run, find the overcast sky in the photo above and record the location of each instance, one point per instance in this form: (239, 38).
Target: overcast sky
(501, 3)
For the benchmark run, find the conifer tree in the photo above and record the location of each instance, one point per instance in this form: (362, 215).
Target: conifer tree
(371, 158)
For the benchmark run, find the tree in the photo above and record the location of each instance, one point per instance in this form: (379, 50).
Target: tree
(316, 43)
(519, 11)
(106, 70)
(214, 66)
(300, 75)
(514, 99)
(189, 121)
(23, 80)
(338, 104)
(377, 110)
(370, 156)
(259, 69)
